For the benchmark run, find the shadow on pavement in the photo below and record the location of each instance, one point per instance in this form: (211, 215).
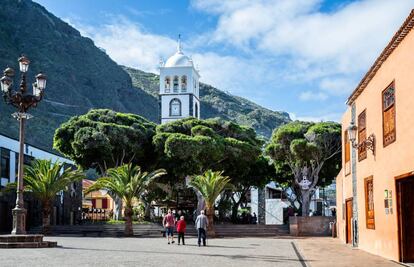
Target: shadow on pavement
(255, 258)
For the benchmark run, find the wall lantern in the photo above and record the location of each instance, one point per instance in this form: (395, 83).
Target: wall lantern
(369, 142)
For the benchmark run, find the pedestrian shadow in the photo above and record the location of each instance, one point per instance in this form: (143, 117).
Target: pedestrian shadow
(244, 257)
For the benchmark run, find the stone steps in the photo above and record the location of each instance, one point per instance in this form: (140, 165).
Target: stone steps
(156, 229)
(25, 241)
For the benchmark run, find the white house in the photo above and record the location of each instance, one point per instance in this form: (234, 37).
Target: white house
(179, 88)
(9, 154)
(274, 204)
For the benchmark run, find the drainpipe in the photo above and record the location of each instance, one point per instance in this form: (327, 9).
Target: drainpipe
(354, 187)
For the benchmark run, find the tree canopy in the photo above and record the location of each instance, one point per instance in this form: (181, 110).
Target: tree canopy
(305, 149)
(105, 139)
(191, 146)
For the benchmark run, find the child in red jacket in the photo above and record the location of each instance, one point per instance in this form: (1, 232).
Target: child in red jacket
(181, 225)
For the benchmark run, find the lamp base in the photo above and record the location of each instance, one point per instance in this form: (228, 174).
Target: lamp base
(19, 221)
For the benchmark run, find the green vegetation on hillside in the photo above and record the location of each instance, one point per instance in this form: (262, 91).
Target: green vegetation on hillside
(82, 77)
(216, 103)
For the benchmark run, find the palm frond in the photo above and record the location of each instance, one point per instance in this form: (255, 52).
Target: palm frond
(46, 178)
(127, 181)
(210, 185)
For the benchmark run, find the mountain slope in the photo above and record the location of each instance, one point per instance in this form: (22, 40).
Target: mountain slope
(82, 76)
(216, 103)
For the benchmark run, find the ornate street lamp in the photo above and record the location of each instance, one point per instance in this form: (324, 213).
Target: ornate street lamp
(22, 100)
(369, 142)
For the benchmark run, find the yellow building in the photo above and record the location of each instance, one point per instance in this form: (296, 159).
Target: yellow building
(96, 201)
(375, 188)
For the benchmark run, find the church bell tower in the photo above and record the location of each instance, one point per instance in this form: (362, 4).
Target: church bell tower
(179, 87)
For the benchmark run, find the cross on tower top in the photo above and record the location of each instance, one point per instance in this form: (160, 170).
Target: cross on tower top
(179, 48)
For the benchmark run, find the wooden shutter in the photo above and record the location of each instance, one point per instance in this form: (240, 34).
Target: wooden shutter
(369, 202)
(104, 203)
(362, 135)
(347, 150)
(388, 115)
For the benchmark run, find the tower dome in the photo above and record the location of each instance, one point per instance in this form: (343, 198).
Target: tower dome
(179, 59)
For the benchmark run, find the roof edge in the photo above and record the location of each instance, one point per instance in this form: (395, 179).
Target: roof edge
(392, 45)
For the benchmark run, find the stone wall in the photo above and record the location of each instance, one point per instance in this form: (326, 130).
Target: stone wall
(310, 226)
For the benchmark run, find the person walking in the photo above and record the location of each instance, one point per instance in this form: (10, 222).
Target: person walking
(181, 225)
(168, 223)
(201, 225)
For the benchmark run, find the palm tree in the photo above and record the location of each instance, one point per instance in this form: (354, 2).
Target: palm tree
(126, 182)
(210, 185)
(45, 179)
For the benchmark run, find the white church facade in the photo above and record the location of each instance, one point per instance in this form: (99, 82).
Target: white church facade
(179, 88)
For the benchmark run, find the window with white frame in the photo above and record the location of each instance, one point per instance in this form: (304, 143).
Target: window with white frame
(175, 107)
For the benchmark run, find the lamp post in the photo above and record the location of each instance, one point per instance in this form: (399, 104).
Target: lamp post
(22, 100)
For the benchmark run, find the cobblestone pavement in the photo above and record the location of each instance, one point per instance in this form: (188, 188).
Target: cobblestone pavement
(220, 252)
(327, 252)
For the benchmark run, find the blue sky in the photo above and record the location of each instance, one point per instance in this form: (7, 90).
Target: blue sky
(300, 56)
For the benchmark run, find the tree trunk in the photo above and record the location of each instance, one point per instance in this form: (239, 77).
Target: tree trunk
(128, 212)
(147, 213)
(117, 208)
(200, 202)
(46, 210)
(305, 202)
(211, 232)
(234, 211)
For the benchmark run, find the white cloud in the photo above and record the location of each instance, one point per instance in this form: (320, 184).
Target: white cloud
(337, 86)
(325, 117)
(315, 44)
(276, 47)
(312, 96)
(129, 44)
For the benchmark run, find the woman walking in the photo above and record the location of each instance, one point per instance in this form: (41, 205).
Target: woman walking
(168, 223)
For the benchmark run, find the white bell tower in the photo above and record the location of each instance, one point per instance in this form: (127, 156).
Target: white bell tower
(179, 87)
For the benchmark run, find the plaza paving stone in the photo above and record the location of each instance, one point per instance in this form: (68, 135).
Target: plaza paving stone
(283, 251)
(220, 252)
(327, 252)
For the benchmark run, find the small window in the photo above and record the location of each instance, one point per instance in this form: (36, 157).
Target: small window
(5, 163)
(167, 84)
(184, 83)
(362, 135)
(388, 115)
(175, 107)
(273, 193)
(196, 111)
(175, 84)
(347, 151)
(369, 203)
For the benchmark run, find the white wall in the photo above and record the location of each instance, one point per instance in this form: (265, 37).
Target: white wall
(184, 97)
(165, 107)
(254, 201)
(274, 211)
(191, 74)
